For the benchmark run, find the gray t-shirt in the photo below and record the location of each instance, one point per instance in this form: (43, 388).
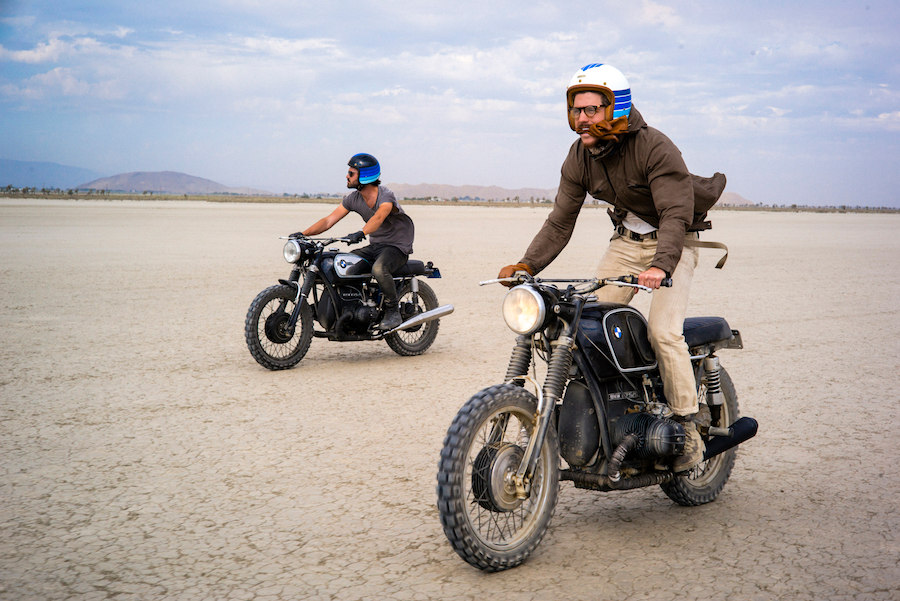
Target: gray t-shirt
(396, 230)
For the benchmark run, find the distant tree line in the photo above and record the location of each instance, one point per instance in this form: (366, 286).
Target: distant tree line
(34, 192)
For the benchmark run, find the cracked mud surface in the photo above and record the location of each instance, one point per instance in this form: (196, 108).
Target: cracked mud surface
(145, 455)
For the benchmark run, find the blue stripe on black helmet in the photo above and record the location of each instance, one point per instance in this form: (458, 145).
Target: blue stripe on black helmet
(369, 169)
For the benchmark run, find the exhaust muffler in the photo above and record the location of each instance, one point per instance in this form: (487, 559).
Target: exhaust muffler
(424, 317)
(740, 431)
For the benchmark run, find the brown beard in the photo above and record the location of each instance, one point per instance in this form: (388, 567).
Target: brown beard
(609, 130)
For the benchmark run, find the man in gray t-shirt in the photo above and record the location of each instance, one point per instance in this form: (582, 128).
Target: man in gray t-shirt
(389, 228)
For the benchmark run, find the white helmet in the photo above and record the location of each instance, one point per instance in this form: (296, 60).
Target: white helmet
(603, 79)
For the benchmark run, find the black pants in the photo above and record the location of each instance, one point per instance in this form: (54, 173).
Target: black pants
(385, 260)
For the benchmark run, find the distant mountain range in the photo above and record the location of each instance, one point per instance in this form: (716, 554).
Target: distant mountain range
(164, 182)
(31, 174)
(22, 174)
(448, 192)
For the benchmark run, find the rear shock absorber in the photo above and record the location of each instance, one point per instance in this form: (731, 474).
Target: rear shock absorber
(520, 360)
(714, 394)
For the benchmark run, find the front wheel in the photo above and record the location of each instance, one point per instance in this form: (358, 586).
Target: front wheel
(271, 342)
(703, 483)
(485, 522)
(417, 339)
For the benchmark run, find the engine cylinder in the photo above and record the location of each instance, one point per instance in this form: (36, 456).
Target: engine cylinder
(656, 437)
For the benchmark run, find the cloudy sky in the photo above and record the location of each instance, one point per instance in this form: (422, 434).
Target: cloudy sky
(796, 102)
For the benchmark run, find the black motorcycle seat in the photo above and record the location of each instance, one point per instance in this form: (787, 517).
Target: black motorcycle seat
(412, 267)
(703, 330)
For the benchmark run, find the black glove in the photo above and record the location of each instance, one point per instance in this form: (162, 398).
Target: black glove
(297, 235)
(355, 237)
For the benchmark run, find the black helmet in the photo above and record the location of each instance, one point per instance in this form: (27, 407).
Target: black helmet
(369, 169)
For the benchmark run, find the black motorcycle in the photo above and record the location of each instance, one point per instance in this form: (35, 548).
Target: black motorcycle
(600, 419)
(338, 291)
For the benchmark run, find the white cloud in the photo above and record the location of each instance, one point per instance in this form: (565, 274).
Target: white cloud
(42, 53)
(475, 80)
(890, 121)
(653, 13)
(281, 47)
(61, 82)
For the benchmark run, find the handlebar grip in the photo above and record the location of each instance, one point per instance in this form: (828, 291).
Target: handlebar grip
(667, 282)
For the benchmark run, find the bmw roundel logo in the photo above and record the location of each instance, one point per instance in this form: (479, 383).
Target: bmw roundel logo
(342, 262)
(617, 332)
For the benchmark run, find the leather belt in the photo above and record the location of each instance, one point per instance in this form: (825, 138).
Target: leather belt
(627, 233)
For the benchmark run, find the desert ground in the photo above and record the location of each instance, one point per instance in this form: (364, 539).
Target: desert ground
(145, 455)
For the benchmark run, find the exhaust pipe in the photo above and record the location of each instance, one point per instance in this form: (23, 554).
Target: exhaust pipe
(424, 317)
(740, 431)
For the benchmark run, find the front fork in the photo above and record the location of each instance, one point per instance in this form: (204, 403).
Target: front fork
(548, 395)
(302, 293)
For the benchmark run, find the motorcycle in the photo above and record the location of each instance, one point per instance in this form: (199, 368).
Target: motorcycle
(339, 292)
(600, 419)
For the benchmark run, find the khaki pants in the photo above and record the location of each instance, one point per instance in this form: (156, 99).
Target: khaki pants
(666, 317)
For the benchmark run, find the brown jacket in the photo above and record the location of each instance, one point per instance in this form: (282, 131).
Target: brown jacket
(644, 174)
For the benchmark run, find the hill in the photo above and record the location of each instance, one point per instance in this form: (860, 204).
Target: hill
(33, 174)
(163, 182)
(734, 199)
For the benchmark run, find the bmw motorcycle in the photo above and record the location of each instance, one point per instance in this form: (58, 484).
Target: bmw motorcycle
(337, 291)
(599, 419)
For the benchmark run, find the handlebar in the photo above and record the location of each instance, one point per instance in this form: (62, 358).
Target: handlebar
(632, 279)
(628, 281)
(323, 241)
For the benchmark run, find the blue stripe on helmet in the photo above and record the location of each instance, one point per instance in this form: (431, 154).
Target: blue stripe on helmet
(591, 66)
(622, 106)
(367, 175)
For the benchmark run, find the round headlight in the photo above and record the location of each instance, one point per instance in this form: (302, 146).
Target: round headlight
(292, 251)
(524, 310)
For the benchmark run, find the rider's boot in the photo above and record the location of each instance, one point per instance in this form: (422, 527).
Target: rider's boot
(693, 445)
(391, 317)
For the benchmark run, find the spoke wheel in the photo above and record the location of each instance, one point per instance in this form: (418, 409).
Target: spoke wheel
(484, 520)
(415, 340)
(270, 340)
(703, 483)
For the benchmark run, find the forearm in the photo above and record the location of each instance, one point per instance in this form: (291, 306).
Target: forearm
(546, 246)
(373, 224)
(318, 227)
(554, 235)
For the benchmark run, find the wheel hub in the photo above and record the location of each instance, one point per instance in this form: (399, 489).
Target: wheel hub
(493, 476)
(407, 312)
(277, 329)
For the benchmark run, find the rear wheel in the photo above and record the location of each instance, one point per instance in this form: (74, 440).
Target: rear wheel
(417, 339)
(484, 520)
(271, 342)
(703, 483)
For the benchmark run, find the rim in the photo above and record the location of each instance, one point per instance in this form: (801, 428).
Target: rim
(498, 519)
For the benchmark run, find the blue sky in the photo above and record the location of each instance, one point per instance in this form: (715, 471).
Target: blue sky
(794, 102)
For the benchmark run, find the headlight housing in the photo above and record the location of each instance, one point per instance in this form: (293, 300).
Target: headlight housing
(524, 310)
(292, 251)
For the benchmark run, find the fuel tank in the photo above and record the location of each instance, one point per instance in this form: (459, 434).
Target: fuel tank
(614, 339)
